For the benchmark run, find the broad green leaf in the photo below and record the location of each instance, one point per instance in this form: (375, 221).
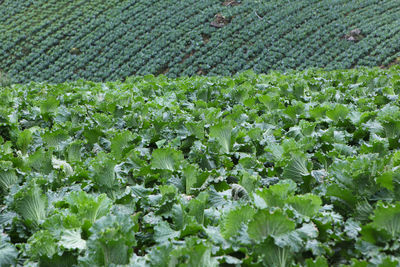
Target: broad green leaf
(248, 181)
(386, 180)
(40, 161)
(67, 259)
(389, 262)
(270, 102)
(339, 112)
(178, 217)
(119, 142)
(31, 204)
(363, 211)
(272, 255)
(232, 221)
(196, 207)
(111, 241)
(190, 174)
(164, 234)
(372, 235)
(320, 261)
(196, 129)
(7, 179)
(276, 150)
(276, 195)
(216, 199)
(166, 159)
(194, 253)
(8, 253)
(201, 256)
(392, 129)
(55, 138)
(74, 151)
(296, 168)
(92, 135)
(387, 217)
(71, 239)
(223, 133)
(307, 205)
(389, 116)
(48, 107)
(103, 171)
(343, 194)
(352, 228)
(296, 240)
(266, 223)
(160, 255)
(103, 120)
(24, 140)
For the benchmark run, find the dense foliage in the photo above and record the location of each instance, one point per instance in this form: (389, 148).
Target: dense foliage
(60, 40)
(255, 170)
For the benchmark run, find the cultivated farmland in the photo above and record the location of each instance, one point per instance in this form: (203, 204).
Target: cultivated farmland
(62, 40)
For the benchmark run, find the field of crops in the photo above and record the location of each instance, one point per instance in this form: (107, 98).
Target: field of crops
(60, 40)
(253, 170)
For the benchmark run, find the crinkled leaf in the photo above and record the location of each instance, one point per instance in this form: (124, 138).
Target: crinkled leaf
(87, 206)
(62, 165)
(232, 221)
(160, 255)
(42, 244)
(71, 239)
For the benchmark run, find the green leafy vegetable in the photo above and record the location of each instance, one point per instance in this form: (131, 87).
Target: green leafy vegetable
(266, 223)
(30, 203)
(223, 133)
(166, 159)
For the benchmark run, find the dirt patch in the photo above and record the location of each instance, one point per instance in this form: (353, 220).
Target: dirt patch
(75, 51)
(188, 55)
(201, 72)
(206, 38)
(354, 35)
(163, 70)
(230, 3)
(4, 79)
(219, 21)
(394, 62)
(26, 51)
